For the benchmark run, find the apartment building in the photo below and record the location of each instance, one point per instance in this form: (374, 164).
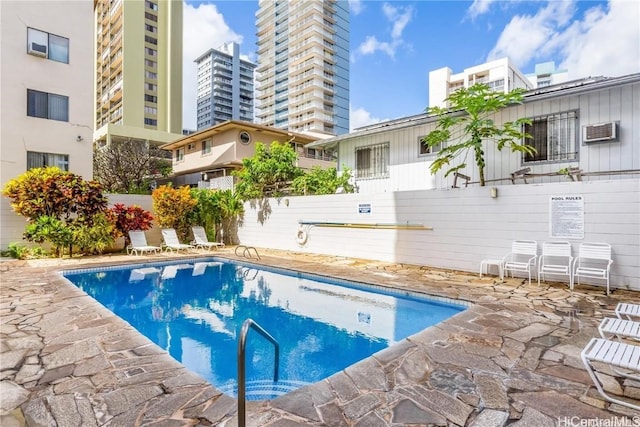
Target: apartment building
(303, 65)
(138, 75)
(546, 74)
(225, 86)
(501, 75)
(46, 68)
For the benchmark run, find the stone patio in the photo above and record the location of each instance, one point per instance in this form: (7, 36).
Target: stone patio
(512, 358)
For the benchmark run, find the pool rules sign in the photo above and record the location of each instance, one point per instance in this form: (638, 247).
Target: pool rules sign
(566, 217)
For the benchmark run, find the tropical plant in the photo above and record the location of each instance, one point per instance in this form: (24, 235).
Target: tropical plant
(16, 250)
(468, 123)
(207, 211)
(323, 181)
(129, 218)
(268, 172)
(97, 237)
(52, 230)
(173, 207)
(231, 210)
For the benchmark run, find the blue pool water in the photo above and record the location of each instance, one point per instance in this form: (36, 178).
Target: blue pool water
(194, 309)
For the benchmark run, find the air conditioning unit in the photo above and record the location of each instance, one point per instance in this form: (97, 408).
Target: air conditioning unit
(37, 49)
(600, 132)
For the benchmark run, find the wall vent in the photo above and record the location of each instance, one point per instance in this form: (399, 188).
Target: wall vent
(37, 49)
(600, 132)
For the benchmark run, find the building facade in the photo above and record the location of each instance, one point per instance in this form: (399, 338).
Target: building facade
(46, 68)
(225, 86)
(585, 130)
(546, 74)
(303, 65)
(138, 75)
(500, 75)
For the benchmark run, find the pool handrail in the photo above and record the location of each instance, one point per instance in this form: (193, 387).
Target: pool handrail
(246, 252)
(250, 323)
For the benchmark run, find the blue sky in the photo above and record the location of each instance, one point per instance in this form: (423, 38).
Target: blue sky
(394, 44)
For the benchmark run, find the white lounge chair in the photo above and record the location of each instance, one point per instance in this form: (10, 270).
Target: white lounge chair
(623, 358)
(201, 241)
(522, 258)
(593, 261)
(612, 327)
(139, 243)
(556, 259)
(630, 311)
(171, 241)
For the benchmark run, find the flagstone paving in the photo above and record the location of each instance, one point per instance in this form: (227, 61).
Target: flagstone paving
(512, 358)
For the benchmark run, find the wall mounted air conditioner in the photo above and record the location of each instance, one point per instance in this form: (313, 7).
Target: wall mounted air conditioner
(37, 49)
(600, 132)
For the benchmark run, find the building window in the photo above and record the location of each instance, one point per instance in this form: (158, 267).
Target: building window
(151, 28)
(47, 105)
(372, 161)
(40, 43)
(245, 137)
(151, 51)
(424, 149)
(149, 63)
(151, 17)
(150, 122)
(150, 75)
(151, 98)
(151, 5)
(180, 154)
(42, 160)
(553, 137)
(151, 110)
(151, 40)
(152, 87)
(207, 144)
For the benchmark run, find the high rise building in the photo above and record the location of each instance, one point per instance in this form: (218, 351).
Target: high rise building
(546, 74)
(225, 86)
(138, 76)
(303, 65)
(500, 75)
(46, 68)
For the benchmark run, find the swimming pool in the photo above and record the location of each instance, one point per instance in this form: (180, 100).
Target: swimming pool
(194, 309)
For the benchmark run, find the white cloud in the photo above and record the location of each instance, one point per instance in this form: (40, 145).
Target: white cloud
(399, 17)
(604, 41)
(361, 117)
(204, 29)
(479, 7)
(356, 6)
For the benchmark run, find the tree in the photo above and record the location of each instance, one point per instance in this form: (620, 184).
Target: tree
(173, 207)
(323, 181)
(129, 218)
(231, 210)
(207, 211)
(468, 123)
(128, 166)
(268, 172)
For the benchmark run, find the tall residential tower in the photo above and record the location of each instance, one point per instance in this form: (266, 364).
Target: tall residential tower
(138, 79)
(303, 65)
(225, 86)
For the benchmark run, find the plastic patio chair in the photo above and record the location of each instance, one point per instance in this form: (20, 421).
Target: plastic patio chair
(628, 310)
(522, 258)
(612, 327)
(201, 241)
(593, 261)
(139, 243)
(556, 259)
(623, 358)
(171, 241)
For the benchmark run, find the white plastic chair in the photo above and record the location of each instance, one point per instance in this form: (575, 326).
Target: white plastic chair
(522, 258)
(612, 327)
(623, 358)
(593, 261)
(171, 241)
(201, 241)
(139, 243)
(628, 310)
(556, 259)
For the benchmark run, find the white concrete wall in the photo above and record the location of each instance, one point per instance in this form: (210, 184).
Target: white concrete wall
(468, 225)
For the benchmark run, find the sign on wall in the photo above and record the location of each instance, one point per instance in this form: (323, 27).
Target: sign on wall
(566, 217)
(364, 208)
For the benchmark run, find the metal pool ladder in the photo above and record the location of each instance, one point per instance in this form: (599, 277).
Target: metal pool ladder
(249, 323)
(246, 252)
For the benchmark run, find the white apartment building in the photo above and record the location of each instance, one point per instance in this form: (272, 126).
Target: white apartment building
(546, 74)
(302, 77)
(46, 94)
(225, 86)
(500, 75)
